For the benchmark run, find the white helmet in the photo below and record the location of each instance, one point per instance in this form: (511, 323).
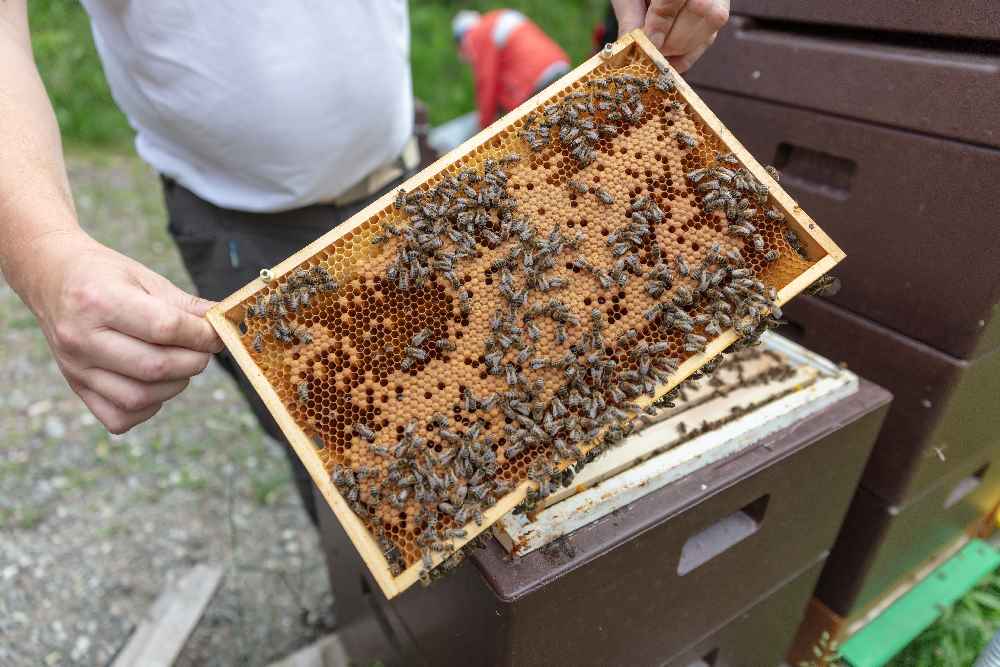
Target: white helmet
(463, 21)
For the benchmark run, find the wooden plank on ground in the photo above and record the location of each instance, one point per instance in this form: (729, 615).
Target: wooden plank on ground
(161, 635)
(326, 652)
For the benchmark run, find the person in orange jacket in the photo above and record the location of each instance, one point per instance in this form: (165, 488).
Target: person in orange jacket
(511, 58)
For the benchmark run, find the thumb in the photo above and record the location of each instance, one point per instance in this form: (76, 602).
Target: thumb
(191, 303)
(178, 298)
(161, 288)
(158, 286)
(630, 14)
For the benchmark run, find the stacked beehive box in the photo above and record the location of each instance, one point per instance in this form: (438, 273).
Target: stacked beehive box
(881, 119)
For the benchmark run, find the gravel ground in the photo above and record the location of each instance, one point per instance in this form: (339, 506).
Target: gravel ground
(92, 525)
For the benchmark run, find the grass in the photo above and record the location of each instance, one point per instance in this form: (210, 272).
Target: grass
(90, 121)
(955, 640)
(68, 62)
(961, 633)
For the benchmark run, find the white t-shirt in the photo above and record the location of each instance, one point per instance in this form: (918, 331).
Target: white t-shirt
(260, 105)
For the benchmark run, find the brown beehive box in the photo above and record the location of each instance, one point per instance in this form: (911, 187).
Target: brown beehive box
(364, 350)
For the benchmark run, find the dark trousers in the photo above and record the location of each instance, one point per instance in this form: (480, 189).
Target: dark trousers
(223, 250)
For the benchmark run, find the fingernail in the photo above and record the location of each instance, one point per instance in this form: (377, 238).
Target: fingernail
(657, 39)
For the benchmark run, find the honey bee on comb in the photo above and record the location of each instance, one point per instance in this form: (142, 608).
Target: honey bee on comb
(500, 332)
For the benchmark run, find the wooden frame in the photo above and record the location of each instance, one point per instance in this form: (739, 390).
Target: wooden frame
(224, 319)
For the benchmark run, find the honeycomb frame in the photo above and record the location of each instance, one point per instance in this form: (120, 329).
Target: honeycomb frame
(227, 317)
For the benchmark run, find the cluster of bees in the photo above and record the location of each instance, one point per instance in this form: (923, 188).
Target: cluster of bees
(729, 187)
(458, 211)
(457, 482)
(293, 295)
(581, 119)
(564, 408)
(596, 404)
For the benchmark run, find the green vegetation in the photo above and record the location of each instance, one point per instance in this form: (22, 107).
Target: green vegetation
(66, 57)
(71, 69)
(961, 633)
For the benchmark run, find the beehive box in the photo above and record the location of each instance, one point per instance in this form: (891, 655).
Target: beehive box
(466, 340)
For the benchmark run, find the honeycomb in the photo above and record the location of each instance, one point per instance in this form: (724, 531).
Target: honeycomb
(511, 314)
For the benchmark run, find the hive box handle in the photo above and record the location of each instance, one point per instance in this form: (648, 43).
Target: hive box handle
(707, 660)
(814, 170)
(722, 535)
(965, 487)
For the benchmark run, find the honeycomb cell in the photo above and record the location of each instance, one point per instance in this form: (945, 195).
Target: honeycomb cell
(497, 324)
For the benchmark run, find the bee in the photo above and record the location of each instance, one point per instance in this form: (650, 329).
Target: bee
(694, 343)
(282, 332)
(444, 345)
(758, 242)
(420, 337)
(556, 408)
(415, 353)
(276, 306)
(582, 188)
(682, 265)
(464, 301)
(638, 111)
(659, 347)
(665, 83)
(696, 175)
(400, 201)
(258, 342)
(510, 158)
(524, 355)
(771, 256)
(741, 231)
(683, 296)
(824, 286)
(745, 326)
(774, 214)
(514, 449)
(653, 312)
(303, 391)
(365, 432)
(510, 374)
(686, 139)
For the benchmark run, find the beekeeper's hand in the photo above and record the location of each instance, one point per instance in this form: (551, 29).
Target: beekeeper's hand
(680, 29)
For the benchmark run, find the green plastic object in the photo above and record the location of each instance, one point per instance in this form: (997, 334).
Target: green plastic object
(885, 636)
